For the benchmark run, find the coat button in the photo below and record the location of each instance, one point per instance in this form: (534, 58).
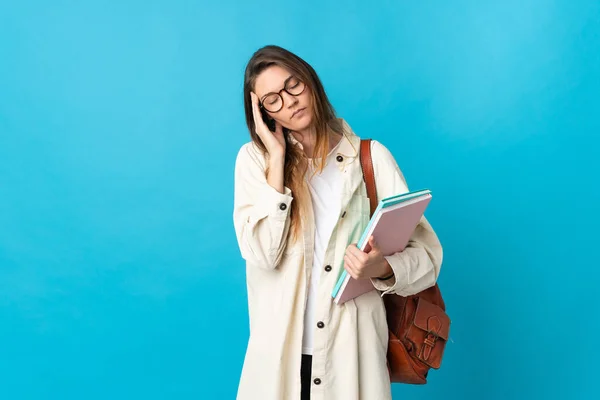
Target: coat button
(317, 381)
(282, 206)
(320, 324)
(339, 158)
(328, 268)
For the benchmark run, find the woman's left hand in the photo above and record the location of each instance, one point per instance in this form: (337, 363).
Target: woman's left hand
(362, 265)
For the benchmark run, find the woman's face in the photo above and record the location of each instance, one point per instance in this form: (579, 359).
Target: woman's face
(272, 81)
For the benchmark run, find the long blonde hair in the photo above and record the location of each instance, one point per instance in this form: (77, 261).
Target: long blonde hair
(324, 121)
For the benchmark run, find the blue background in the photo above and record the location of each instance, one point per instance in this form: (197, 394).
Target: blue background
(120, 276)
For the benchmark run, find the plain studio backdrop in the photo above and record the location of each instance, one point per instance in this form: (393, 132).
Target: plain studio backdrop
(120, 276)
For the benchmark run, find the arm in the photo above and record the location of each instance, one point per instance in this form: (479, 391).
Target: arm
(418, 266)
(261, 208)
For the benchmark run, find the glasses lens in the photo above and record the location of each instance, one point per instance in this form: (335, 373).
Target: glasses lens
(295, 86)
(272, 102)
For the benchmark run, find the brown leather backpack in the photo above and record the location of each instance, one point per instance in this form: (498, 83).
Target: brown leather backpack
(418, 324)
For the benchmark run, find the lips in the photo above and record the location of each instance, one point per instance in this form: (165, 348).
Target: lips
(296, 112)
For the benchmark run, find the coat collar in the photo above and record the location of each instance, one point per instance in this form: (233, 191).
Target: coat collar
(348, 148)
(349, 165)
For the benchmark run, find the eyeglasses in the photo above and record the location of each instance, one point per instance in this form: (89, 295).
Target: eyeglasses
(273, 102)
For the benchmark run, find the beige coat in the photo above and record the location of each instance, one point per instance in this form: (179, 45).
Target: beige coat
(349, 356)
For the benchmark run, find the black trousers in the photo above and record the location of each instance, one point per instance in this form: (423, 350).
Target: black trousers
(305, 374)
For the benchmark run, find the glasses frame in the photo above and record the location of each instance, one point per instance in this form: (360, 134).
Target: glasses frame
(285, 88)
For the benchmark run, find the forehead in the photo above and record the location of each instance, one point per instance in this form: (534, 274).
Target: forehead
(270, 80)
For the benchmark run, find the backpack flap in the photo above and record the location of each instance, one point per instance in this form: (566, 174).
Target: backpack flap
(429, 332)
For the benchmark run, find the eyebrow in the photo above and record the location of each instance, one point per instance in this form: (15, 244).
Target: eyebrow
(284, 85)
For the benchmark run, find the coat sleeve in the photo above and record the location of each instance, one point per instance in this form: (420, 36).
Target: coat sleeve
(417, 267)
(261, 214)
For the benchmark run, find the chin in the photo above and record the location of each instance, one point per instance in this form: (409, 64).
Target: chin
(301, 124)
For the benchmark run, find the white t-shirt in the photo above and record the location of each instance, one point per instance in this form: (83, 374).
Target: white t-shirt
(325, 190)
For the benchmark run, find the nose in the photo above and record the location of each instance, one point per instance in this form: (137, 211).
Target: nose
(289, 99)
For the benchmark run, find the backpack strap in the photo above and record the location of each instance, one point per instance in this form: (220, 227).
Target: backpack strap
(368, 173)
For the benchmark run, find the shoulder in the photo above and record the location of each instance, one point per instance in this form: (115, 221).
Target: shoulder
(382, 155)
(249, 155)
(383, 160)
(379, 149)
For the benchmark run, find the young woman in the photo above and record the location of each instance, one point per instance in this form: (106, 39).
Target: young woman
(300, 206)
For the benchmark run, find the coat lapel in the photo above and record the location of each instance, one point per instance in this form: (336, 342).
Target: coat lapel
(349, 165)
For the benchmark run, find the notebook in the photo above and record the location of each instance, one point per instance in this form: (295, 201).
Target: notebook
(392, 224)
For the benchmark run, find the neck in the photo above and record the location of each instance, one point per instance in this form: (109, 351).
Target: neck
(308, 138)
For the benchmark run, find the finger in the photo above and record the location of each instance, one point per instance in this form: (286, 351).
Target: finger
(356, 263)
(255, 107)
(258, 120)
(278, 129)
(373, 244)
(355, 269)
(349, 267)
(254, 98)
(358, 254)
(352, 249)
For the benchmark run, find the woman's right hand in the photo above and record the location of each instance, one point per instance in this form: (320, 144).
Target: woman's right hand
(273, 141)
